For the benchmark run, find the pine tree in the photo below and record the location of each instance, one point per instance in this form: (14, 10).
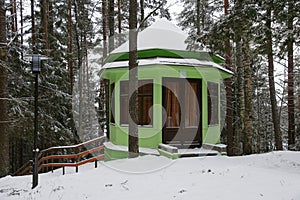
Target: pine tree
(248, 131)
(133, 143)
(197, 18)
(228, 82)
(269, 50)
(104, 27)
(290, 49)
(111, 25)
(4, 142)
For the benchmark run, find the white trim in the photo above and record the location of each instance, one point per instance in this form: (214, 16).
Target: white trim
(168, 61)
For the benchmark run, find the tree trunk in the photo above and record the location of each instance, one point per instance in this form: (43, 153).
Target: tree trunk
(269, 48)
(70, 66)
(142, 15)
(44, 11)
(70, 60)
(4, 141)
(22, 28)
(240, 104)
(33, 33)
(133, 146)
(50, 25)
(198, 17)
(291, 105)
(228, 82)
(80, 68)
(259, 118)
(119, 23)
(104, 20)
(248, 130)
(111, 25)
(14, 20)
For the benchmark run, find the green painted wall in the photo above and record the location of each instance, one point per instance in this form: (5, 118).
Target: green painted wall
(152, 136)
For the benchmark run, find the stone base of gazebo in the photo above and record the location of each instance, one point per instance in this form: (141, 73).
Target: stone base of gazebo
(113, 152)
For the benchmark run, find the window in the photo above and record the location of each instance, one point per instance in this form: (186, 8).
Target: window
(191, 104)
(145, 102)
(112, 103)
(213, 103)
(145, 98)
(124, 104)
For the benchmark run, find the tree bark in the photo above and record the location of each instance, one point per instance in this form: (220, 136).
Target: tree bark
(198, 15)
(228, 82)
(248, 130)
(33, 33)
(22, 28)
(14, 20)
(111, 25)
(78, 33)
(269, 48)
(291, 105)
(142, 26)
(133, 146)
(4, 141)
(44, 11)
(70, 60)
(240, 99)
(104, 26)
(119, 23)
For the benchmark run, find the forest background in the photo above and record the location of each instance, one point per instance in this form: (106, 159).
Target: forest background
(258, 39)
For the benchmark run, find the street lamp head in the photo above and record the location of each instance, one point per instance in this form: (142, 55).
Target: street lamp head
(36, 63)
(36, 60)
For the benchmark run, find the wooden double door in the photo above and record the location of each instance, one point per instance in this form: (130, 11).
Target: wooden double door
(182, 118)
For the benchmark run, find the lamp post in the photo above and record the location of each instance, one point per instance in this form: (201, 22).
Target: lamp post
(36, 69)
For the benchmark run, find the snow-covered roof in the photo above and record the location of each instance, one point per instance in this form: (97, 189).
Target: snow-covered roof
(163, 43)
(162, 34)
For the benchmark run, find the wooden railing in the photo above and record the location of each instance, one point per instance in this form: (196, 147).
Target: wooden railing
(57, 157)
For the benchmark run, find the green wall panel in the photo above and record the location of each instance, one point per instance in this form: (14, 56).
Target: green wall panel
(151, 136)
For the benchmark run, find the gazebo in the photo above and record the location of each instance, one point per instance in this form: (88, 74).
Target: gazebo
(178, 95)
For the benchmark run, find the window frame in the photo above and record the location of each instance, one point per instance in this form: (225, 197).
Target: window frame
(141, 114)
(112, 110)
(213, 103)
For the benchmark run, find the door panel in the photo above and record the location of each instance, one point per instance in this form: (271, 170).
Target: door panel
(173, 105)
(182, 116)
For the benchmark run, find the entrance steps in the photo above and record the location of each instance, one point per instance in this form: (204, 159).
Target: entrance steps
(205, 150)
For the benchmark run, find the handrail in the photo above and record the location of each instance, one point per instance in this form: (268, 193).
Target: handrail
(23, 168)
(26, 168)
(73, 164)
(69, 156)
(71, 146)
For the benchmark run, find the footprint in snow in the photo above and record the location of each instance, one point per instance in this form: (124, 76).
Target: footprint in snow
(182, 191)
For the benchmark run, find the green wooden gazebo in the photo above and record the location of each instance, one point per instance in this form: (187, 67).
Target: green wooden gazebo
(179, 93)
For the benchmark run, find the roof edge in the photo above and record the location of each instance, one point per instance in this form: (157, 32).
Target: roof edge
(166, 53)
(169, 61)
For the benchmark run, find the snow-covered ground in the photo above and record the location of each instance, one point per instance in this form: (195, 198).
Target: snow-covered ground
(267, 176)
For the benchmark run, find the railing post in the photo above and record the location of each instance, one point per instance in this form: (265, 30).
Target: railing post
(96, 163)
(77, 150)
(46, 162)
(64, 170)
(52, 161)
